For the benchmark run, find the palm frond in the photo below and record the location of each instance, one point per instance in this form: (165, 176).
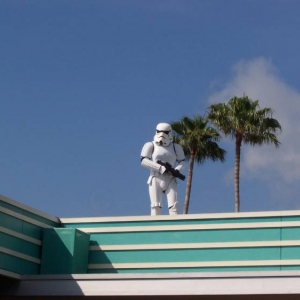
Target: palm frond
(195, 136)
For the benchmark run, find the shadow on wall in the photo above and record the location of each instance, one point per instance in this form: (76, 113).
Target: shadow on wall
(64, 251)
(99, 263)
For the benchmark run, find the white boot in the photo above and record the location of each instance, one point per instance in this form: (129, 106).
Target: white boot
(173, 210)
(155, 211)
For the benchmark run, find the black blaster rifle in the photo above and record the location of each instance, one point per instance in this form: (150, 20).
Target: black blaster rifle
(171, 170)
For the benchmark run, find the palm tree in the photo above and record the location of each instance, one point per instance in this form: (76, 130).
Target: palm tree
(244, 121)
(199, 143)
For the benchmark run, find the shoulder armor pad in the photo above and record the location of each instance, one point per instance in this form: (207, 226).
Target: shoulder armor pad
(147, 150)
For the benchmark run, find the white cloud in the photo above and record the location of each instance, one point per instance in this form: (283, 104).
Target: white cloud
(259, 79)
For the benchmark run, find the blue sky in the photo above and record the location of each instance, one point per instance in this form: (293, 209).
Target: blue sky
(84, 83)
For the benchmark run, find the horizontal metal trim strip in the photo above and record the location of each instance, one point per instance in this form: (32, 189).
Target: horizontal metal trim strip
(174, 265)
(20, 255)
(24, 218)
(29, 209)
(154, 276)
(191, 227)
(195, 246)
(183, 217)
(20, 236)
(9, 274)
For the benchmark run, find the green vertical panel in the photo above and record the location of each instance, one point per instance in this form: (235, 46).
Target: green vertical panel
(57, 251)
(32, 230)
(194, 236)
(291, 233)
(290, 218)
(64, 251)
(185, 255)
(290, 252)
(81, 252)
(290, 268)
(18, 265)
(20, 226)
(19, 245)
(10, 222)
(26, 213)
(40, 219)
(11, 207)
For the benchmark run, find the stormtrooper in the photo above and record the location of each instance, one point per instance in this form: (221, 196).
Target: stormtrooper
(155, 156)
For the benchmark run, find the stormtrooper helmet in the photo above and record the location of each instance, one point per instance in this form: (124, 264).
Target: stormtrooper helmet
(163, 136)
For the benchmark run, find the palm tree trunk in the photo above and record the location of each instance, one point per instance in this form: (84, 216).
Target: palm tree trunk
(238, 144)
(189, 184)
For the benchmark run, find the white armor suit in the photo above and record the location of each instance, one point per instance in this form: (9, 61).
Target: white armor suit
(162, 149)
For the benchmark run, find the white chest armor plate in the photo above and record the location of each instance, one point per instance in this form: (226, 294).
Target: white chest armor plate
(165, 154)
(173, 154)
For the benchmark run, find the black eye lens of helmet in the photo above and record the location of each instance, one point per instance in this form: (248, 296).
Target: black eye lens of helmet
(164, 131)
